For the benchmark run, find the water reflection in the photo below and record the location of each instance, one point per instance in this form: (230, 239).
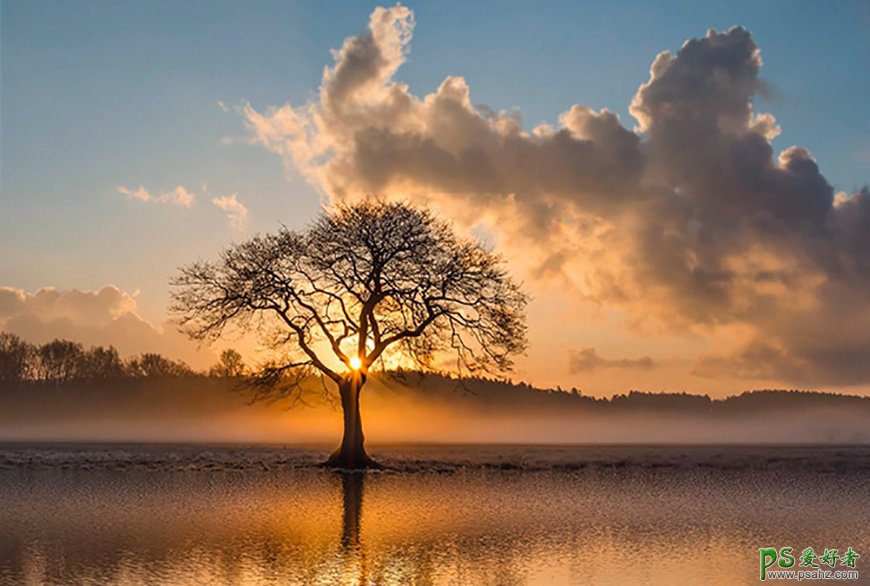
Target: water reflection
(353, 552)
(609, 524)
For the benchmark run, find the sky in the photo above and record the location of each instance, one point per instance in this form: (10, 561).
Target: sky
(669, 235)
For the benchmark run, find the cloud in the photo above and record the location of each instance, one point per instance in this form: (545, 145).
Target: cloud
(107, 316)
(237, 213)
(78, 307)
(688, 222)
(179, 196)
(588, 359)
(141, 193)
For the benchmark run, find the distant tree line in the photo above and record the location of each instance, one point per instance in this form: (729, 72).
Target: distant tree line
(63, 361)
(500, 392)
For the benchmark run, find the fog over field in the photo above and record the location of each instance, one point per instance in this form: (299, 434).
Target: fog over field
(425, 409)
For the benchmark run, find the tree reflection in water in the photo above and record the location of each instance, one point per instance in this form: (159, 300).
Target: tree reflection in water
(353, 552)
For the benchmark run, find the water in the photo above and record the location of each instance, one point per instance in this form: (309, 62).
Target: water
(463, 515)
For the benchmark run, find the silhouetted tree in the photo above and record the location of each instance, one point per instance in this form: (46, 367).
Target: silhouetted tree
(102, 364)
(230, 365)
(60, 361)
(154, 365)
(17, 358)
(366, 282)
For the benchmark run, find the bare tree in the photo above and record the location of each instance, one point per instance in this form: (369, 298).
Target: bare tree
(17, 358)
(230, 365)
(367, 284)
(60, 361)
(152, 365)
(102, 364)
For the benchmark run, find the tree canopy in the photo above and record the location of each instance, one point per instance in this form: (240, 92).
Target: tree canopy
(372, 281)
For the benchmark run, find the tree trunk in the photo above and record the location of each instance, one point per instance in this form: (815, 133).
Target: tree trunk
(351, 454)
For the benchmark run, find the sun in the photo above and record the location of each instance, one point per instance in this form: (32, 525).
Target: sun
(355, 362)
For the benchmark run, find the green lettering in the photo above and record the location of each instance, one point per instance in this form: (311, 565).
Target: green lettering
(768, 557)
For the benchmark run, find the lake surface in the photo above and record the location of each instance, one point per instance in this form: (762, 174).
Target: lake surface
(463, 515)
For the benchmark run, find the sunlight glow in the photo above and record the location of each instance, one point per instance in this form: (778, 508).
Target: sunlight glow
(355, 362)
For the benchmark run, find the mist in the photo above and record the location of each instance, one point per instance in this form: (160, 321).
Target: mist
(420, 409)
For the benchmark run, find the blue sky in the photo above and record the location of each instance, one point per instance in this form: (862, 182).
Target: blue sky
(101, 94)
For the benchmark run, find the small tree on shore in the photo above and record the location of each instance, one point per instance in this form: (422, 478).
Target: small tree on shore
(365, 282)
